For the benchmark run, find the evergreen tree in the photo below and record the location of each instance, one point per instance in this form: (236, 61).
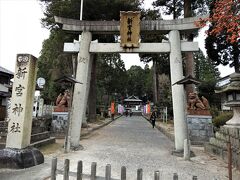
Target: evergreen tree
(111, 74)
(188, 8)
(52, 55)
(205, 69)
(176, 7)
(208, 73)
(173, 7)
(135, 83)
(160, 61)
(53, 63)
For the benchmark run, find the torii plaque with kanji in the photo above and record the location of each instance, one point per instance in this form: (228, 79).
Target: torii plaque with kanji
(129, 28)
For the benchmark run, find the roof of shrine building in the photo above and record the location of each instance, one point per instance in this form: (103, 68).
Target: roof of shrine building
(224, 81)
(147, 26)
(188, 80)
(133, 99)
(3, 70)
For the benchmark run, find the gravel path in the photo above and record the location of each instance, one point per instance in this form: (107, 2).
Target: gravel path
(133, 143)
(130, 142)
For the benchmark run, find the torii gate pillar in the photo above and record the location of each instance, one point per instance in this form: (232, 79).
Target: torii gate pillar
(178, 95)
(81, 91)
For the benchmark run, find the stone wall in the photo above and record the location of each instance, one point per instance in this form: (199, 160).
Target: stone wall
(200, 128)
(40, 134)
(41, 124)
(218, 144)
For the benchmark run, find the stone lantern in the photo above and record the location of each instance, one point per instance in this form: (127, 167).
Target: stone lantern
(227, 138)
(232, 91)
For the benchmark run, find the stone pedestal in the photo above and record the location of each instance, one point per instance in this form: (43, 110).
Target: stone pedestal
(20, 158)
(59, 122)
(200, 128)
(235, 120)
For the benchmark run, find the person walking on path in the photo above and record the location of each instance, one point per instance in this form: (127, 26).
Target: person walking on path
(130, 112)
(112, 110)
(153, 117)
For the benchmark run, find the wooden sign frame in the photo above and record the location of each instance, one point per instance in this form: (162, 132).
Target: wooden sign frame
(130, 29)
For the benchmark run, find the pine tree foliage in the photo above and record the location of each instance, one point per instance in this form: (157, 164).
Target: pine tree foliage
(205, 70)
(139, 82)
(53, 62)
(208, 74)
(111, 74)
(176, 7)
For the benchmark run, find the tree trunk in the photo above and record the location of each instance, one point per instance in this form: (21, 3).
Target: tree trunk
(189, 71)
(236, 60)
(189, 61)
(174, 10)
(92, 93)
(187, 8)
(155, 97)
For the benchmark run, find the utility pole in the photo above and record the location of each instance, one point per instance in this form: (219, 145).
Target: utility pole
(81, 10)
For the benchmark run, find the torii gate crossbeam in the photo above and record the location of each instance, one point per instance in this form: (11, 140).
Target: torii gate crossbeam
(144, 47)
(185, 25)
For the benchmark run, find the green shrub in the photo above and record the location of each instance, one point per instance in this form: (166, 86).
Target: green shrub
(214, 111)
(221, 119)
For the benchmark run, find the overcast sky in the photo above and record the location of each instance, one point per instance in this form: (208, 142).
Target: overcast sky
(21, 32)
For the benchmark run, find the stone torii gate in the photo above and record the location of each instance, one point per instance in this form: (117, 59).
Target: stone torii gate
(86, 48)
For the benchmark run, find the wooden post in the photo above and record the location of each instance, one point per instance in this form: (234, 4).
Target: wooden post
(166, 114)
(139, 174)
(175, 176)
(93, 170)
(229, 160)
(108, 172)
(156, 175)
(54, 169)
(66, 170)
(79, 170)
(123, 173)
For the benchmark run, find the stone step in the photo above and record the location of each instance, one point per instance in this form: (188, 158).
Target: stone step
(35, 139)
(40, 136)
(44, 142)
